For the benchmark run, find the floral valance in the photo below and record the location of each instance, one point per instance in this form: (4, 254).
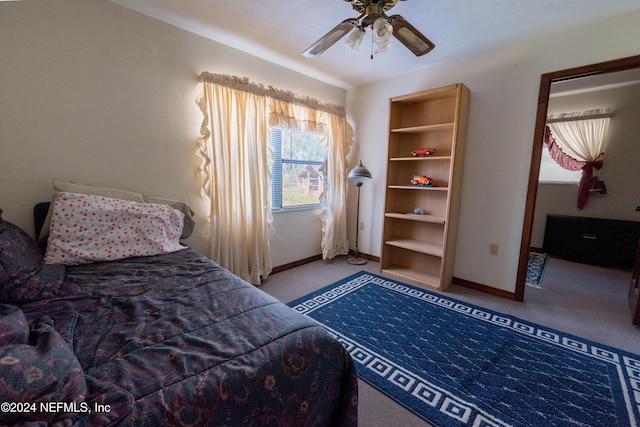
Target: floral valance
(243, 83)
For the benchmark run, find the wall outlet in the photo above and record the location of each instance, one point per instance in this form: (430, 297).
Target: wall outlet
(361, 225)
(494, 248)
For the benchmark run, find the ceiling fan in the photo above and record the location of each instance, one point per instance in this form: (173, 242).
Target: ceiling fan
(372, 15)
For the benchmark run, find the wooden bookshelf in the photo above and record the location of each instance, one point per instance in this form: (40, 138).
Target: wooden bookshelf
(419, 248)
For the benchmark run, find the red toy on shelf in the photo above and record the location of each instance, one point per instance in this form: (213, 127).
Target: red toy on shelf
(423, 152)
(421, 180)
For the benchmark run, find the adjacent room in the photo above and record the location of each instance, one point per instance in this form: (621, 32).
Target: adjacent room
(336, 213)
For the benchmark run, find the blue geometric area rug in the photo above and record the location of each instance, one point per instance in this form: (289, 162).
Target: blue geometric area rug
(456, 364)
(536, 265)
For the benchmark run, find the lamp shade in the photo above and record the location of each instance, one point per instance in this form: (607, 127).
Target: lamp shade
(359, 174)
(355, 39)
(382, 30)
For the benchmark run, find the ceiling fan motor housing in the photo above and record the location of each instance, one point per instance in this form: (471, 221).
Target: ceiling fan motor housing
(373, 12)
(361, 6)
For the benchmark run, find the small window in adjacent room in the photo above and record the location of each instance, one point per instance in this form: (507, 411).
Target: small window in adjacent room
(552, 173)
(297, 180)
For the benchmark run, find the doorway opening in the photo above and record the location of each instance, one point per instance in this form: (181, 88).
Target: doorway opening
(546, 82)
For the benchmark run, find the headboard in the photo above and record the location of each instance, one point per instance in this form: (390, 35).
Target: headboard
(40, 211)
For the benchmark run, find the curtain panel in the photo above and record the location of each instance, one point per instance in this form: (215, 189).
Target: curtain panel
(576, 141)
(235, 168)
(235, 178)
(559, 156)
(338, 141)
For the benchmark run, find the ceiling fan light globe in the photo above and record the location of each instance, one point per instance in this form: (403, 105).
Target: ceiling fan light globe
(382, 46)
(355, 39)
(382, 30)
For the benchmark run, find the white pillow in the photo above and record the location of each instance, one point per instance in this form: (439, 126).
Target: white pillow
(76, 187)
(87, 228)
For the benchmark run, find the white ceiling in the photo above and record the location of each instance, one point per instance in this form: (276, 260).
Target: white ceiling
(280, 30)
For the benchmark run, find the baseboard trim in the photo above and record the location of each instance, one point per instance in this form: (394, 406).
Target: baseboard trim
(318, 257)
(484, 288)
(458, 281)
(295, 264)
(366, 256)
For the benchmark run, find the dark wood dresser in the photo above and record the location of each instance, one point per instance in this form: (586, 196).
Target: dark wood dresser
(596, 241)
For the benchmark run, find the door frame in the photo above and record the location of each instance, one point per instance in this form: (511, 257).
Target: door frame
(532, 189)
(633, 296)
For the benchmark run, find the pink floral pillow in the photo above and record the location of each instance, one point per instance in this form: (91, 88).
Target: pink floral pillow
(86, 228)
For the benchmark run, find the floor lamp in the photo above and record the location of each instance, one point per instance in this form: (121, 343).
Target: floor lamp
(359, 175)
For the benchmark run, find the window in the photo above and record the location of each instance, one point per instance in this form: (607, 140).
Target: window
(296, 177)
(552, 173)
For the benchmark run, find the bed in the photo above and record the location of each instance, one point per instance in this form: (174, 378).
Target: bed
(163, 339)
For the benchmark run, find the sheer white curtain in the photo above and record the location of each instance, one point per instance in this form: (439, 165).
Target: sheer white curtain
(235, 176)
(305, 116)
(334, 199)
(581, 137)
(582, 134)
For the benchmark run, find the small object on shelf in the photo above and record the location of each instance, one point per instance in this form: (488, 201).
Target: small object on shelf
(417, 211)
(423, 152)
(422, 180)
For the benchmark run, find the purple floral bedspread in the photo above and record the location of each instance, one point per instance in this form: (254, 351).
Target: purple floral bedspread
(177, 340)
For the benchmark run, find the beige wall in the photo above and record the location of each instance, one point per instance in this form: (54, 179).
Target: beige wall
(93, 92)
(504, 88)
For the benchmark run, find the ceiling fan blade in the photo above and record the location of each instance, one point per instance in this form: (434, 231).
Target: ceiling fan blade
(330, 38)
(409, 36)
